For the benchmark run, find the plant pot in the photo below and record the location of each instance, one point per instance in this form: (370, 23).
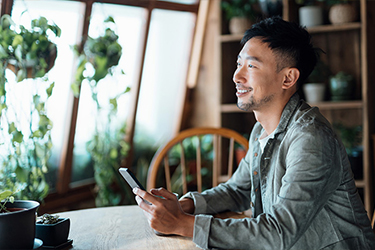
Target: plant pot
(341, 89)
(271, 7)
(238, 25)
(314, 92)
(310, 16)
(17, 229)
(30, 64)
(53, 234)
(342, 13)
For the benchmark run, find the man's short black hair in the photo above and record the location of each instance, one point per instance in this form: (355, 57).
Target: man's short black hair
(290, 42)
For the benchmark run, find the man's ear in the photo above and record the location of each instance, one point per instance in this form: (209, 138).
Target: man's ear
(290, 78)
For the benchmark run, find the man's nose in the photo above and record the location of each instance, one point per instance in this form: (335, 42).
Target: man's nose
(239, 75)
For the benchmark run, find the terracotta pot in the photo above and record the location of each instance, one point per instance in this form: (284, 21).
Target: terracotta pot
(238, 25)
(30, 64)
(342, 13)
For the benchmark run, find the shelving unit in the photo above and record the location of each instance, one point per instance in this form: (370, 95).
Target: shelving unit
(346, 50)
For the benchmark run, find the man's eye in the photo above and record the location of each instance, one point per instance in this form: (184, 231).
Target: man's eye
(251, 66)
(238, 64)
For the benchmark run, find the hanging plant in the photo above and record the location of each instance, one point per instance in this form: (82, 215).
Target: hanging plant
(98, 59)
(24, 125)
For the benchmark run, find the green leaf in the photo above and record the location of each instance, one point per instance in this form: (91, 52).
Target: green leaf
(18, 39)
(12, 128)
(3, 53)
(75, 89)
(17, 137)
(21, 174)
(113, 101)
(5, 194)
(50, 89)
(109, 19)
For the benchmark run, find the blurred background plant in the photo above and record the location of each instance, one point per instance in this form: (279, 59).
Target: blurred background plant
(98, 59)
(25, 127)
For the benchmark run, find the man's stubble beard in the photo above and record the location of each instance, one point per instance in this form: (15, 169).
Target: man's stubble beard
(252, 104)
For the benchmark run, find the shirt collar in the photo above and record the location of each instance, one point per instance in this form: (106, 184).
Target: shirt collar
(288, 112)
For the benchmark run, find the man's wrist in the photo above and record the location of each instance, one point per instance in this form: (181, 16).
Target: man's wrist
(187, 205)
(186, 227)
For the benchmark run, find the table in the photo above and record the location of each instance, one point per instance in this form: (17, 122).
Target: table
(119, 227)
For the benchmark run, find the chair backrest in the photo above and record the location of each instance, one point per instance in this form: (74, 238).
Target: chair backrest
(373, 222)
(210, 144)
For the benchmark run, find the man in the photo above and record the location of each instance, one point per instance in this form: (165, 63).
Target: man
(296, 176)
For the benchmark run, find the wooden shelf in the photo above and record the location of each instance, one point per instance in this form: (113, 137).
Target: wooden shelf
(232, 108)
(339, 105)
(312, 30)
(360, 183)
(333, 28)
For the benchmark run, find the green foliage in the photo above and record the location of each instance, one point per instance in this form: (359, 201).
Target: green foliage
(107, 148)
(25, 135)
(24, 48)
(351, 136)
(239, 8)
(190, 149)
(5, 196)
(48, 219)
(101, 53)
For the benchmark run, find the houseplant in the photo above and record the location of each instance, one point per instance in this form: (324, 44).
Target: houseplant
(314, 88)
(240, 14)
(17, 222)
(53, 231)
(341, 86)
(98, 59)
(341, 11)
(24, 126)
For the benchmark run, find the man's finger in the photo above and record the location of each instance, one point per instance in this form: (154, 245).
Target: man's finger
(164, 193)
(144, 195)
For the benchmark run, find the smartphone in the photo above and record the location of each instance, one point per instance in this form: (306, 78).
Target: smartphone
(131, 179)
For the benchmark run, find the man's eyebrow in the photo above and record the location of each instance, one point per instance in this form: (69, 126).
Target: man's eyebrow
(254, 58)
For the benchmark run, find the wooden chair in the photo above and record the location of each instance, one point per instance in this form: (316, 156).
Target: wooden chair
(373, 222)
(223, 141)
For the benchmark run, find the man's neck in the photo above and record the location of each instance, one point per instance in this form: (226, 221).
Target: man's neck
(269, 117)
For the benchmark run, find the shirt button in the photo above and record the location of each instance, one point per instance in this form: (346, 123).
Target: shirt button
(256, 154)
(256, 139)
(256, 190)
(251, 204)
(255, 172)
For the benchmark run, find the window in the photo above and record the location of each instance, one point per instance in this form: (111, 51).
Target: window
(156, 37)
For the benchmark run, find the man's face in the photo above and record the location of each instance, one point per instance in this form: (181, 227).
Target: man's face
(256, 77)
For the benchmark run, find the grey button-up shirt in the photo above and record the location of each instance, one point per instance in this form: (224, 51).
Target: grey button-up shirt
(301, 191)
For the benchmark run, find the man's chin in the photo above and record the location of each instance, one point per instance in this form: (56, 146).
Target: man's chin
(245, 106)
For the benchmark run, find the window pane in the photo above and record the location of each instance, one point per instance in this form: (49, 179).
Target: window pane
(56, 11)
(130, 22)
(164, 76)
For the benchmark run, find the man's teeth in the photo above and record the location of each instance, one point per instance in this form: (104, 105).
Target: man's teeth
(242, 91)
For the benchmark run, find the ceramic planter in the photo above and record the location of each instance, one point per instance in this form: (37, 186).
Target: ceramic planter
(17, 229)
(310, 16)
(314, 92)
(53, 234)
(341, 87)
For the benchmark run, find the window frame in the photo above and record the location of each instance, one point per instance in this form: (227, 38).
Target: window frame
(68, 195)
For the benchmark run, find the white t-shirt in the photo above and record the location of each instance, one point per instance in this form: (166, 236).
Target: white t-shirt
(263, 141)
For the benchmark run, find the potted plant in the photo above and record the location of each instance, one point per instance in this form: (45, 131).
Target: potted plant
(351, 137)
(314, 88)
(341, 86)
(240, 14)
(107, 148)
(26, 132)
(341, 12)
(17, 222)
(53, 231)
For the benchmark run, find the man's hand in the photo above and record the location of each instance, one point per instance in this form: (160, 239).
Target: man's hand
(165, 215)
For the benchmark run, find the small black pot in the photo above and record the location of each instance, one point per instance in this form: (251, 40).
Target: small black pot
(17, 229)
(53, 234)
